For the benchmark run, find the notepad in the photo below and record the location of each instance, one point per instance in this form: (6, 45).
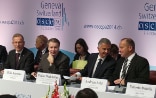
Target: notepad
(79, 64)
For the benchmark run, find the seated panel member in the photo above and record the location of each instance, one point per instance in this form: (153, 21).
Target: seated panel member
(130, 67)
(25, 58)
(3, 54)
(41, 45)
(81, 49)
(55, 61)
(100, 65)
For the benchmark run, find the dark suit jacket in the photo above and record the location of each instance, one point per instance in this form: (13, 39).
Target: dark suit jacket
(60, 66)
(3, 54)
(38, 57)
(25, 62)
(138, 70)
(104, 72)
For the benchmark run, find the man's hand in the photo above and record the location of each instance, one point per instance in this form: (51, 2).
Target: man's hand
(50, 59)
(34, 74)
(120, 81)
(2, 72)
(77, 77)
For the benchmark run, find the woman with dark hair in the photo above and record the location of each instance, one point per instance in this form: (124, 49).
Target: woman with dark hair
(81, 50)
(86, 93)
(114, 52)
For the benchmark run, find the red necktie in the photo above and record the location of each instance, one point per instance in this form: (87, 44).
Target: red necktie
(17, 59)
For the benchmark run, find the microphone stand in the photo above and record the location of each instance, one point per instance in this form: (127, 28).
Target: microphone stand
(120, 88)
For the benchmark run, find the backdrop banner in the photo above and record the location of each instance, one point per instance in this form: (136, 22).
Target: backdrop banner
(69, 20)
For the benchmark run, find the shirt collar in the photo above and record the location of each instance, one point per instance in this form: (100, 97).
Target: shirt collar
(131, 57)
(101, 58)
(44, 50)
(20, 51)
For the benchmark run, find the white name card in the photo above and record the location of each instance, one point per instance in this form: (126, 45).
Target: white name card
(15, 75)
(47, 78)
(140, 90)
(93, 83)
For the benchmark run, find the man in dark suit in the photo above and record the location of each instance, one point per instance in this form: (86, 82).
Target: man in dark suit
(3, 54)
(41, 45)
(55, 61)
(20, 58)
(100, 65)
(131, 67)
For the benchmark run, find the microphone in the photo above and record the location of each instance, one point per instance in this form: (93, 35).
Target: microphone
(120, 88)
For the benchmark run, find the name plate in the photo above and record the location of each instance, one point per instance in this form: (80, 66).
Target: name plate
(47, 78)
(15, 75)
(141, 90)
(95, 84)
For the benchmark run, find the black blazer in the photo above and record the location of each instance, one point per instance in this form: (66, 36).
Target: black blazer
(25, 62)
(104, 72)
(3, 54)
(60, 66)
(76, 57)
(138, 70)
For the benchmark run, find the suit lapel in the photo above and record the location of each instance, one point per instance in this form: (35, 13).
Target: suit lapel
(92, 65)
(102, 68)
(14, 60)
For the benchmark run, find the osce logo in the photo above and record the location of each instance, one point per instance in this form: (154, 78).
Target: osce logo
(45, 21)
(150, 26)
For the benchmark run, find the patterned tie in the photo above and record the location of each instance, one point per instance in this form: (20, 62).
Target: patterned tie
(97, 68)
(124, 69)
(17, 59)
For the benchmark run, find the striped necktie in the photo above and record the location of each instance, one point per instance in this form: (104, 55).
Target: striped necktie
(124, 68)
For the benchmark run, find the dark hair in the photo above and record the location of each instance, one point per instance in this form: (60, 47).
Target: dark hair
(114, 49)
(55, 40)
(83, 43)
(86, 93)
(43, 39)
(7, 96)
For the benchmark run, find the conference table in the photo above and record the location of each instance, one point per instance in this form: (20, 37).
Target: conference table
(27, 89)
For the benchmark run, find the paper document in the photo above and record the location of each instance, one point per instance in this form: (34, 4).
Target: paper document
(79, 64)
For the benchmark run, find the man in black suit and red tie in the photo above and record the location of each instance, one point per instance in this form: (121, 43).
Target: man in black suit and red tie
(100, 65)
(20, 58)
(130, 67)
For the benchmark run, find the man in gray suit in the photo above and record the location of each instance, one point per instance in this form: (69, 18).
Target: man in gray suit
(54, 61)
